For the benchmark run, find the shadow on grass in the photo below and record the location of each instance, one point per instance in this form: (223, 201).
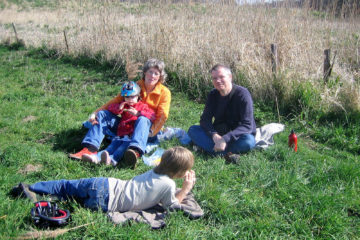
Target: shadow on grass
(69, 140)
(112, 70)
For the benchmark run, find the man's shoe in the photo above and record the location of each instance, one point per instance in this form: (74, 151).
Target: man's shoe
(130, 158)
(105, 158)
(232, 158)
(22, 190)
(197, 149)
(78, 155)
(90, 158)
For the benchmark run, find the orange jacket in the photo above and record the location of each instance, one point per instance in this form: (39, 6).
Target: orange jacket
(158, 100)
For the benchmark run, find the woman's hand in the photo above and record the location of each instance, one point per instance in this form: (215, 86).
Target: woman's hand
(92, 119)
(151, 133)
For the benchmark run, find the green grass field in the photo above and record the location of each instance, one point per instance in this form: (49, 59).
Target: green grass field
(271, 194)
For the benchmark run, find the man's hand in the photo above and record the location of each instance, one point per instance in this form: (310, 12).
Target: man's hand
(92, 119)
(220, 143)
(151, 134)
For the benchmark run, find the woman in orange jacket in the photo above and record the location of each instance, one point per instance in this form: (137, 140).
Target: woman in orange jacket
(153, 93)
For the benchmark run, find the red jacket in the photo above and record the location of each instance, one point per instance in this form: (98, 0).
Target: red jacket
(127, 122)
(158, 100)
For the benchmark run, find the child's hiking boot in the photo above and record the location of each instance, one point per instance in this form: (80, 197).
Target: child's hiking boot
(105, 158)
(90, 158)
(22, 190)
(78, 155)
(232, 158)
(130, 158)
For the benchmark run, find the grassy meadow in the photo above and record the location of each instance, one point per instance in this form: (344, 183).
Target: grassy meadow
(274, 193)
(47, 91)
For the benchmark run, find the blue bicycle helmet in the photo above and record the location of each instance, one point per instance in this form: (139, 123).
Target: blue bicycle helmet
(130, 89)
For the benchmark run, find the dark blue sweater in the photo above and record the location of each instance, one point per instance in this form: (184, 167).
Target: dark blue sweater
(233, 114)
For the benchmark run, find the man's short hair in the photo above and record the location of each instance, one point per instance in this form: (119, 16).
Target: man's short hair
(155, 63)
(218, 66)
(175, 160)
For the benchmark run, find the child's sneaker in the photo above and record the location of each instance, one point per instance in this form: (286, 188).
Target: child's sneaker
(105, 158)
(90, 158)
(79, 155)
(130, 158)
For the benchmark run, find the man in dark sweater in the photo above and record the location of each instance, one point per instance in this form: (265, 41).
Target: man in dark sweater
(231, 106)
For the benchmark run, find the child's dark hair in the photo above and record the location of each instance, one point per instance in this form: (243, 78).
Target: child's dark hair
(175, 160)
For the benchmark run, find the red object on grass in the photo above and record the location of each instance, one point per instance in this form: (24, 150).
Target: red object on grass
(293, 140)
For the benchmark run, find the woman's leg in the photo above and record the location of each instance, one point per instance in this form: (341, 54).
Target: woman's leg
(108, 123)
(92, 192)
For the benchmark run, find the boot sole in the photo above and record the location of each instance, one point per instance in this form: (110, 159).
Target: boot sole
(130, 158)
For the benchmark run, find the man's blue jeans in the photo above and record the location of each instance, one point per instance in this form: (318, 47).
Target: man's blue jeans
(108, 123)
(92, 192)
(245, 143)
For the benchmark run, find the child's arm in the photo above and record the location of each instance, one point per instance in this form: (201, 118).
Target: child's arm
(116, 108)
(188, 184)
(117, 99)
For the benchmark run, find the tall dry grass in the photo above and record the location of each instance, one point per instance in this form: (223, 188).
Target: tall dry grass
(192, 37)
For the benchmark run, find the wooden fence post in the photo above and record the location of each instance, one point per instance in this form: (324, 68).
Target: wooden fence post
(66, 42)
(327, 65)
(274, 64)
(274, 58)
(16, 36)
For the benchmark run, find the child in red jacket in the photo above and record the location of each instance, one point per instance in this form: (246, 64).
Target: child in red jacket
(129, 110)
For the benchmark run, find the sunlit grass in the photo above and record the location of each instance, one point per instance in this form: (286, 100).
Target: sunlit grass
(270, 194)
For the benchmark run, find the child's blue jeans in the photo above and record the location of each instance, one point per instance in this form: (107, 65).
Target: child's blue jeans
(116, 149)
(92, 192)
(108, 123)
(245, 143)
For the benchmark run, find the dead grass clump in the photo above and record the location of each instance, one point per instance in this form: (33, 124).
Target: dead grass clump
(29, 119)
(29, 168)
(349, 96)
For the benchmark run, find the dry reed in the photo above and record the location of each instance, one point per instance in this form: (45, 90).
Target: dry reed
(192, 37)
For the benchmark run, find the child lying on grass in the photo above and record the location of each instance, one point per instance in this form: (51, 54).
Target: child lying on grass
(141, 192)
